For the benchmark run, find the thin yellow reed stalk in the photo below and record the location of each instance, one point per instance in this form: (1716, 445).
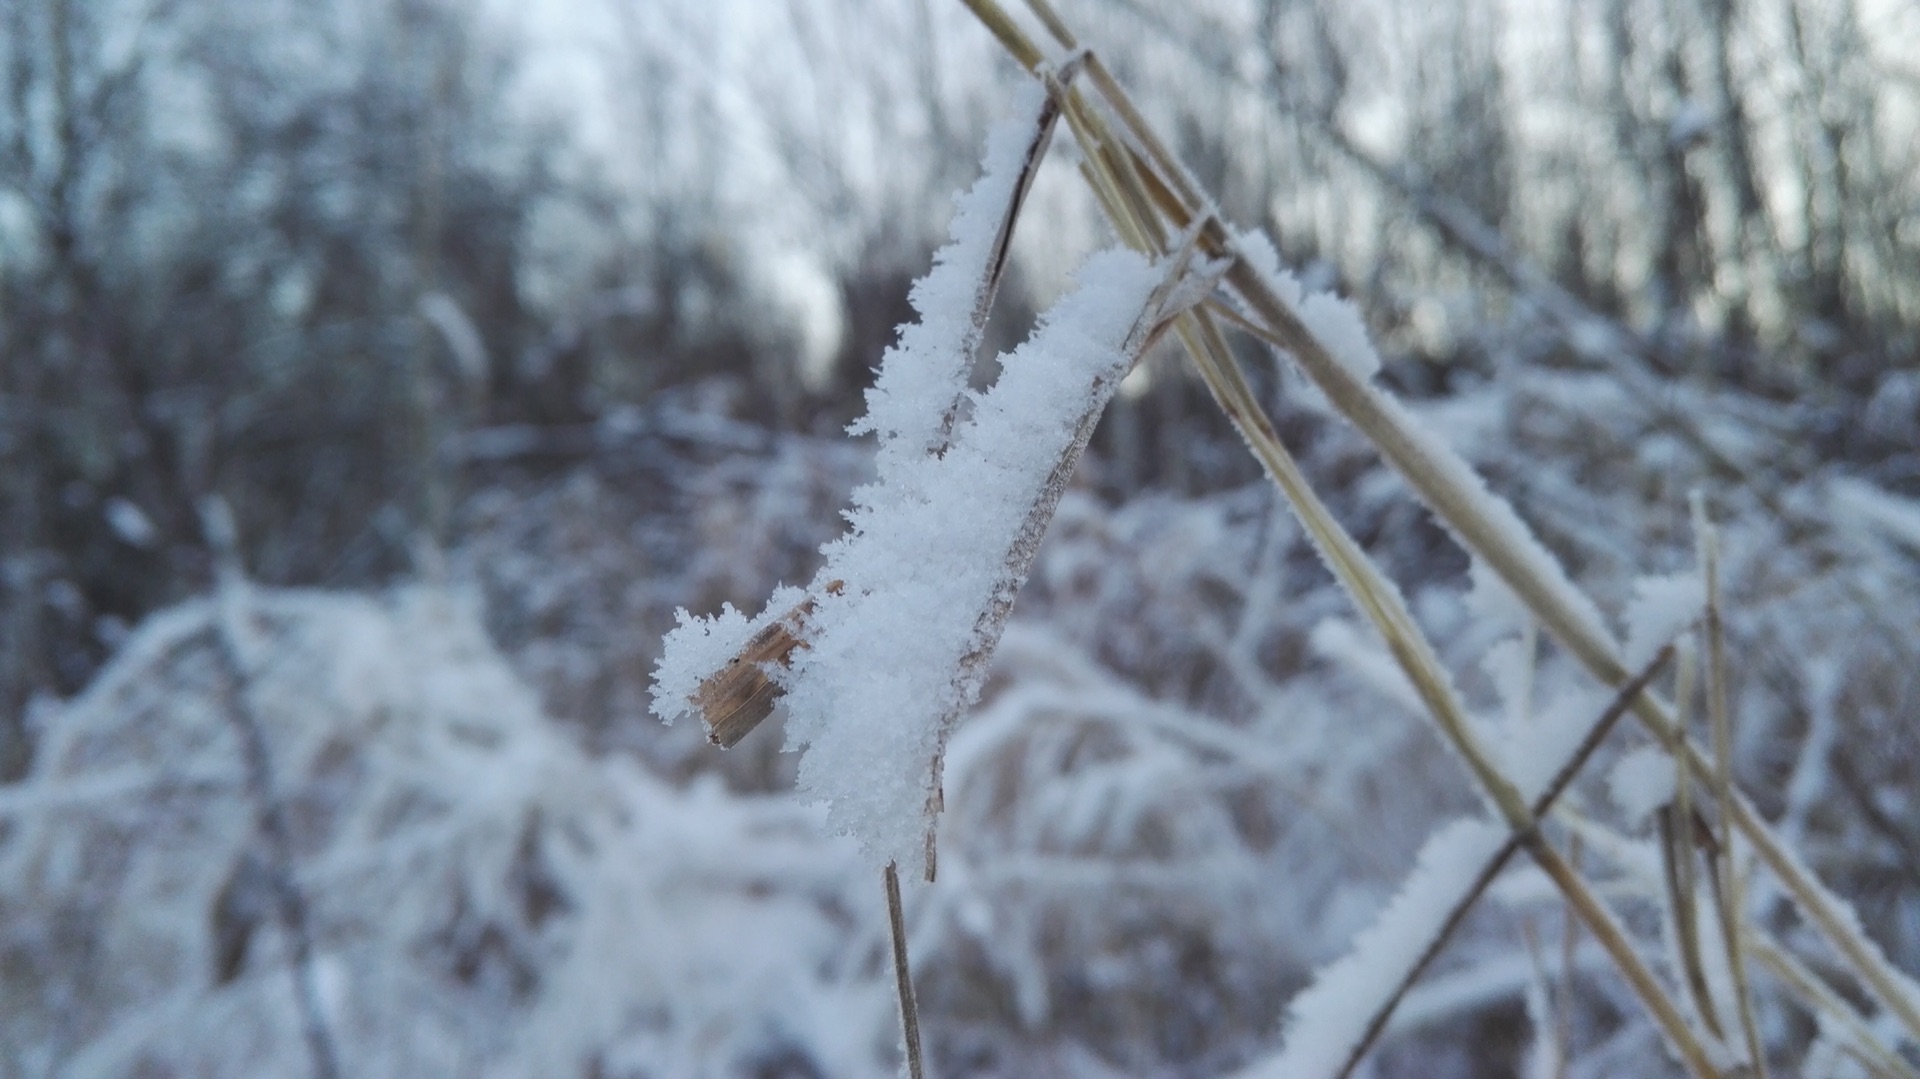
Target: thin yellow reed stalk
(1679, 858)
(1732, 904)
(1822, 1001)
(1449, 489)
(1131, 203)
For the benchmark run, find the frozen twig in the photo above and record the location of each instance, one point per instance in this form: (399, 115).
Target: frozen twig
(932, 360)
(878, 664)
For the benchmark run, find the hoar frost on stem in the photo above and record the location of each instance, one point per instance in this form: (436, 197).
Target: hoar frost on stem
(914, 399)
(721, 667)
(891, 644)
(939, 546)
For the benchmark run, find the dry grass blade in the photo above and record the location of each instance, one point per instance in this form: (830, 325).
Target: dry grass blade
(1679, 858)
(1133, 206)
(1728, 888)
(1541, 806)
(737, 697)
(1829, 1007)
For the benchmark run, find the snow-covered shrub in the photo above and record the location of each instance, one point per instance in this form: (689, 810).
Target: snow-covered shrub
(480, 897)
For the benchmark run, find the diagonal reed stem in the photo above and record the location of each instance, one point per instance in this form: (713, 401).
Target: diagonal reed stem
(1480, 522)
(1541, 806)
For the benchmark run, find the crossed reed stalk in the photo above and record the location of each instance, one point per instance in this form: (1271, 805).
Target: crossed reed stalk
(1151, 199)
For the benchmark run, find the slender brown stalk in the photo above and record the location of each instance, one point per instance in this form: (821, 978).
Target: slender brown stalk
(903, 975)
(1679, 858)
(1541, 806)
(1730, 885)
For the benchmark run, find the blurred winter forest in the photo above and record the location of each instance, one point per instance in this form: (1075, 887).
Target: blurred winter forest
(377, 377)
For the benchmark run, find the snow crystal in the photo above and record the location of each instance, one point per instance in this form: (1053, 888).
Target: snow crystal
(898, 652)
(1661, 608)
(1641, 782)
(1327, 1019)
(931, 361)
(1336, 324)
(1491, 601)
(1332, 321)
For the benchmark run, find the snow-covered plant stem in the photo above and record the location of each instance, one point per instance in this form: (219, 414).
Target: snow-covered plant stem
(1385, 1003)
(1118, 182)
(879, 658)
(882, 655)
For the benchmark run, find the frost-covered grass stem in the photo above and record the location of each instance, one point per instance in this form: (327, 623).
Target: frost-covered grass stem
(1114, 170)
(1829, 1008)
(1149, 197)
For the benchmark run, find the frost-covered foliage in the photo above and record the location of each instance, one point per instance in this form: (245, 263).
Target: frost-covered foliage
(482, 898)
(1182, 793)
(342, 833)
(892, 641)
(1328, 1021)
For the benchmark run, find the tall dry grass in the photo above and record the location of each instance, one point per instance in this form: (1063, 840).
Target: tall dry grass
(1695, 978)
